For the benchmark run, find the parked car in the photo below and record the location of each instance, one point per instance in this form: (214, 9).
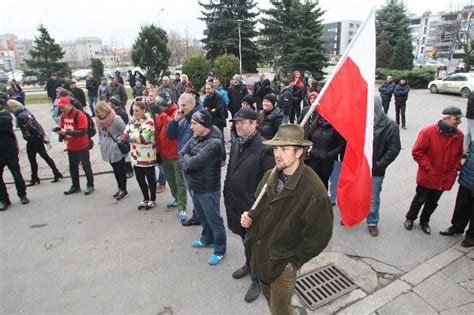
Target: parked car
(81, 74)
(459, 83)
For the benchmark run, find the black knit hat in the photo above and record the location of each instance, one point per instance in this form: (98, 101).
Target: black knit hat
(203, 118)
(163, 99)
(271, 97)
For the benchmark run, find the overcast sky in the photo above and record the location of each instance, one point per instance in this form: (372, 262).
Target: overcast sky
(118, 22)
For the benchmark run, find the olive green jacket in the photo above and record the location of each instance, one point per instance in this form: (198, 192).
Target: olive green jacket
(294, 225)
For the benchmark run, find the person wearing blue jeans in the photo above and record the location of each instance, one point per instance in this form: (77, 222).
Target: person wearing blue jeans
(180, 128)
(207, 207)
(333, 181)
(200, 160)
(386, 147)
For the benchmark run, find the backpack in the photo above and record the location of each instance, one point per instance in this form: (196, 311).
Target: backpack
(91, 131)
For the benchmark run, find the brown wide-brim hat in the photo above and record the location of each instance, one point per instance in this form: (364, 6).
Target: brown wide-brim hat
(289, 134)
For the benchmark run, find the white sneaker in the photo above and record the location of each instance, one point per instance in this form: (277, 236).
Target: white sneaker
(151, 204)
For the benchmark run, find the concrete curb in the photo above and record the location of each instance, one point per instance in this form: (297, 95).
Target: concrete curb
(407, 282)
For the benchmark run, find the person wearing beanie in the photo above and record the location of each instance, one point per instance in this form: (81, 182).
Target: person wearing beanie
(236, 92)
(438, 150)
(9, 158)
(117, 88)
(200, 160)
(269, 118)
(297, 88)
(73, 126)
(285, 100)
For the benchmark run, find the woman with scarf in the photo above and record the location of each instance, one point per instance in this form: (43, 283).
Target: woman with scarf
(140, 133)
(35, 138)
(111, 128)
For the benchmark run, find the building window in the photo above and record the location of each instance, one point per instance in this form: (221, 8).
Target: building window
(351, 25)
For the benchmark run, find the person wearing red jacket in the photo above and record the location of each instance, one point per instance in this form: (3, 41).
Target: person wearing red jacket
(73, 129)
(167, 149)
(438, 152)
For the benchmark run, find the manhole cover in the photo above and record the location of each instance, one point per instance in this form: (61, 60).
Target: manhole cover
(322, 286)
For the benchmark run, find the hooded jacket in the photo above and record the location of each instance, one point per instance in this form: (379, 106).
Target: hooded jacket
(182, 130)
(236, 93)
(109, 150)
(201, 159)
(386, 144)
(8, 141)
(214, 104)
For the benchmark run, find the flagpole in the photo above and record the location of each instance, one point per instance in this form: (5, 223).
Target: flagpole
(336, 69)
(316, 101)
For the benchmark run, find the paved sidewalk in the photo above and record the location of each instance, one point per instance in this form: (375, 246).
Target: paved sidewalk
(71, 255)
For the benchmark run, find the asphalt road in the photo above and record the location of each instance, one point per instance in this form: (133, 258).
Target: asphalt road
(88, 254)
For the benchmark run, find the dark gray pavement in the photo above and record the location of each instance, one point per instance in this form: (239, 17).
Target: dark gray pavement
(88, 254)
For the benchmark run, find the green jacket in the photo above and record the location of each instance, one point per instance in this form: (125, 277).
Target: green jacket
(292, 226)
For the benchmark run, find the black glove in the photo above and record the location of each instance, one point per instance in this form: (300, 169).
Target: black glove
(159, 160)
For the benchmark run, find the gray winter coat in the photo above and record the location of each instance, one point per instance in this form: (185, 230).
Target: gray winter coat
(108, 147)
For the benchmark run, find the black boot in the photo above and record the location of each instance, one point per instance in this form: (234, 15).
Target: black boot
(34, 181)
(57, 176)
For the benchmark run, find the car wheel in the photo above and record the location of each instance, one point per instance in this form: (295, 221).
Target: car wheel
(433, 89)
(465, 92)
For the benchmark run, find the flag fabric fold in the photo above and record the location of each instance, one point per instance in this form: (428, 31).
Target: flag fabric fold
(347, 102)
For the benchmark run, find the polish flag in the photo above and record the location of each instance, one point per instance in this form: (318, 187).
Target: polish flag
(347, 102)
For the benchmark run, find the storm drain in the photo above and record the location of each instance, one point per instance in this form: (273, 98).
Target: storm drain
(322, 286)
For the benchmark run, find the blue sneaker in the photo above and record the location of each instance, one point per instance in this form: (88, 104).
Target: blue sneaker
(172, 205)
(199, 244)
(215, 259)
(182, 216)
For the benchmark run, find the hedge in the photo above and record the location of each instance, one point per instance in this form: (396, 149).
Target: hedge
(417, 78)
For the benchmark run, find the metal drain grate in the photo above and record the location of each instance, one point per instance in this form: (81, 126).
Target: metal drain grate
(322, 286)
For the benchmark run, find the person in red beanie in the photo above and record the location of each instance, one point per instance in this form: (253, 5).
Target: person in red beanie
(73, 129)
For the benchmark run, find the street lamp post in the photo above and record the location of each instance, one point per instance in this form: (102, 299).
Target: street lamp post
(240, 46)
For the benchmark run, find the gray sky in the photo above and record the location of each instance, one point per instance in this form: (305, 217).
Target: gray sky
(118, 22)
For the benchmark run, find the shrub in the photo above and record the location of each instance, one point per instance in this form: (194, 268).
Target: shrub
(417, 78)
(225, 67)
(196, 68)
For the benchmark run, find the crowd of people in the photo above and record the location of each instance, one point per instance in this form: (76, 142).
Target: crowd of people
(173, 129)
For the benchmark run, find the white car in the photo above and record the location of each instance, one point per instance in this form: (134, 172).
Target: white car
(459, 83)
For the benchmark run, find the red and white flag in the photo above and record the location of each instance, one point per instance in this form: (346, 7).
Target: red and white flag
(347, 102)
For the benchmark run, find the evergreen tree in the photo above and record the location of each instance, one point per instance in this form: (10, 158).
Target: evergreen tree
(392, 21)
(305, 45)
(384, 53)
(221, 33)
(196, 68)
(291, 36)
(225, 67)
(402, 57)
(150, 51)
(97, 68)
(275, 35)
(46, 57)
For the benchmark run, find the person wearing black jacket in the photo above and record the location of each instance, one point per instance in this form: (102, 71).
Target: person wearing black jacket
(236, 92)
(386, 91)
(51, 85)
(214, 104)
(9, 158)
(92, 86)
(269, 118)
(262, 91)
(249, 159)
(78, 93)
(328, 144)
(401, 96)
(386, 147)
(285, 100)
(35, 138)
